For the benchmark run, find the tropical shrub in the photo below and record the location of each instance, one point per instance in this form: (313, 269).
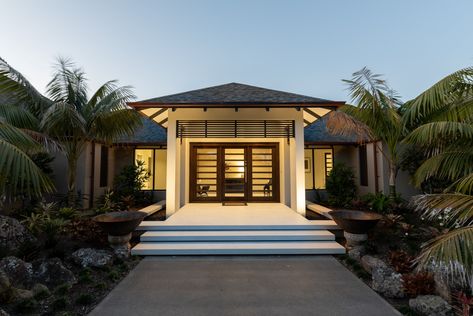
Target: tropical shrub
(401, 261)
(416, 284)
(340, 186)
(128, 183)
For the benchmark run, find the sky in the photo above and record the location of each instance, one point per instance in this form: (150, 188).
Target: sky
(306, 47)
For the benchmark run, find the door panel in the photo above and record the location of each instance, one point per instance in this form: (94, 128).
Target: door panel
(235, 180)
(234, 172)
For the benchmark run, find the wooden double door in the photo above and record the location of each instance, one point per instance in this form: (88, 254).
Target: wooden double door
(221, 172)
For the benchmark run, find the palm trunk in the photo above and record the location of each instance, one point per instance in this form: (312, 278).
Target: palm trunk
(71, 179)
(392, 180)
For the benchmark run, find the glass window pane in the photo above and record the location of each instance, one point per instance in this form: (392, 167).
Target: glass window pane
(146, 156)
(321, 166)
(309, 178)
(160, 169)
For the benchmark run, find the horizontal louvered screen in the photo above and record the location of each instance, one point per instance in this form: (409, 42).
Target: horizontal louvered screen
(249, 128)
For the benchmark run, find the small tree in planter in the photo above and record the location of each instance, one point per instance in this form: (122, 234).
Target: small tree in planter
(340, 186)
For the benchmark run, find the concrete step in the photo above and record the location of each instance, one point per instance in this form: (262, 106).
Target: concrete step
(164, 225)
(237, 235)
(238, 248)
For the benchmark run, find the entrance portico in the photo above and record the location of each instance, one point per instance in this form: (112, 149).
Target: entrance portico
(241, 144)
(254, 138)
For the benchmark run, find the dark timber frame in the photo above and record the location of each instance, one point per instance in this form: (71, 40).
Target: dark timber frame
(248, 196)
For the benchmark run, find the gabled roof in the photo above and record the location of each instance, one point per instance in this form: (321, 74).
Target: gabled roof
(233, 94)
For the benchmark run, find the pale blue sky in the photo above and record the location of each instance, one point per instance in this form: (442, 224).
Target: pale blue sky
(307, 47)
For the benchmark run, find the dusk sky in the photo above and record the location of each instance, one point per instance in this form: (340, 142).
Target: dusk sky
(307, 47)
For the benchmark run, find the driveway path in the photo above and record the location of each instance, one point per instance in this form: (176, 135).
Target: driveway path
(260, 285)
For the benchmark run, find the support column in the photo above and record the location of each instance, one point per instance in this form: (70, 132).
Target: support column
(297, 169)
(172, 168)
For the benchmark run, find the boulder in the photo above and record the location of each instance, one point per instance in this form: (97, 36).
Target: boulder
(40, 289)
(88, 257)
(53, 273)
(18, 271)
(387, 282)
(356, 252)
(431, 305)
(4, 283)
(21, 295)
(369, 263)
(13, 233)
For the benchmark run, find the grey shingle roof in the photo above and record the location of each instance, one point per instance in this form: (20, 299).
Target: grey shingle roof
(148, 133)
(317, 132)
(235, 93)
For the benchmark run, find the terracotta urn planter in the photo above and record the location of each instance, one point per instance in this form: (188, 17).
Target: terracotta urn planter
(355, 224)
(119, 226)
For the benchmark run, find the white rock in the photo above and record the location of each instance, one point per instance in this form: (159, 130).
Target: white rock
(431, 305)
(88, 257)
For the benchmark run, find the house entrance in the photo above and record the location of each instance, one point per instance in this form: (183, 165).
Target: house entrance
(234, 172)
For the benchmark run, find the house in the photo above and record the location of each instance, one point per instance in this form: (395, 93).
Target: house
(234, 144)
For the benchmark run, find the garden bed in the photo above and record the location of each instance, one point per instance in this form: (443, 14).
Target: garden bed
(57, 263)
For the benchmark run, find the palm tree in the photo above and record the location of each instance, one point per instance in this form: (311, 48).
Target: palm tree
(18, 172)
(376, 111)
(444, 113)
(73, 119)
(19, 138)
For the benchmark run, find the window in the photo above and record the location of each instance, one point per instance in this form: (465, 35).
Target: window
(154, 161)
(363, 165)
(318, 162)
(103, 166)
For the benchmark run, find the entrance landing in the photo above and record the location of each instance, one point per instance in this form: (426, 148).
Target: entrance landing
(252, 216)
(214, 229)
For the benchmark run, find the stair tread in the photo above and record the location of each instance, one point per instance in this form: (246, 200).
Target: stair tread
(239, 245)
(238, 233)
(310, 225)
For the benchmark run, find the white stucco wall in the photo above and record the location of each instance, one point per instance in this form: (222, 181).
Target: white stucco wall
(291, 155)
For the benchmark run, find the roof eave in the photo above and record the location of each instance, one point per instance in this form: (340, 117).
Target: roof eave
(144, 105)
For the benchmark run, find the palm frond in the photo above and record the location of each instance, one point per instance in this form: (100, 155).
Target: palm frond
(68, 85)
(442, 94)
(109, 126)
(18, 137)
(446, 165)
(19, 117)
(19, 173)
(431, 133)
(20, 90)
(63, 121)
(454, 209)
(450, 253)
(107, 88)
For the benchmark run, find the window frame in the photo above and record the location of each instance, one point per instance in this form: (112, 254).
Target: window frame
(312, 155)
(153, 148)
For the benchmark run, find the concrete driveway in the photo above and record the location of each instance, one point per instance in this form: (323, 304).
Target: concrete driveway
(259, 285)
